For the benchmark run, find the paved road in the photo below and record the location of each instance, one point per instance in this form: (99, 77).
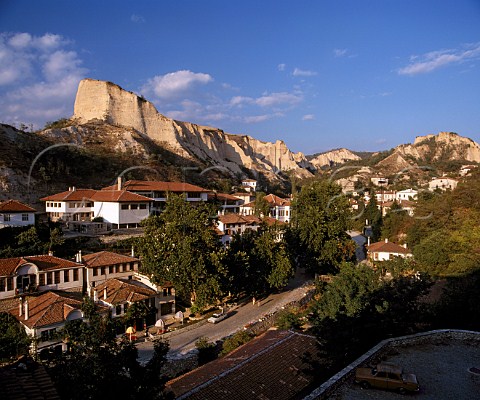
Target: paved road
(360, 240)
(184, 341)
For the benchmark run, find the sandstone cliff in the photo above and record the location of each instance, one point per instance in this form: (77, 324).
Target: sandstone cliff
(107, 102)
(338, 156)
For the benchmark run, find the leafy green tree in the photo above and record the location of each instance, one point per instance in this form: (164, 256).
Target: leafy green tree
(395, 223)
(234, 341)
(374, 217)
(262, 207)
(13, 339)
(317, 237)
(181, 246)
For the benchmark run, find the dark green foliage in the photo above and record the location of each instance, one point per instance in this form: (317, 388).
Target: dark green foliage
(289, 319)
(262, 207)
(320, 219)
(13, 339)
(58, 124)
(207, 351)
(181, 246)
(98, 366)
(235, 341)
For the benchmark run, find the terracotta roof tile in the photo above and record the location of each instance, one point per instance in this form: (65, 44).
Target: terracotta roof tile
(44, 263)
(122, 290)
(48, 308)
(276, 201)
(275, 365)
(13, 206)
(138, 186)
(71, 195)
(387, 247)
(118, 196)
(104, 258)
(222, 197)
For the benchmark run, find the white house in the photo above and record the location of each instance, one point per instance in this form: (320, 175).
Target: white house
(385, 195)
(384, 251)
(408, 194)
(280, 209)
(227, 202)
(117, 208)
(29, 274)
(14, 213)
(158, 191)
(442, 184)
(249, 185)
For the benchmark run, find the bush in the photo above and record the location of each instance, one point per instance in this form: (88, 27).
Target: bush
(206, 350)
(231, 343)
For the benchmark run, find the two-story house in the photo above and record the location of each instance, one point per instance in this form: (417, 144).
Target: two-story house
(14, 213)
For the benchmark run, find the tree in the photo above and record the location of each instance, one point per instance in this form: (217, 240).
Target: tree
(181, 246)
(262, 207)
(13, 339)
(373, 215)
(318, 236)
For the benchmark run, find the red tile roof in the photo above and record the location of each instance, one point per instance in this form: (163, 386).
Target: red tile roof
(123, 290)
(44, 263)
(140, 186)
(222, 197)
(12, 206)
(278, 365)
(276, 201)
(71, 195)
(118, 196)
(105, 258)
(26, 379)
(387, 247)
(48, 308)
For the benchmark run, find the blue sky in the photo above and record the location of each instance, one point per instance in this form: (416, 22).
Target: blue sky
(366, 75)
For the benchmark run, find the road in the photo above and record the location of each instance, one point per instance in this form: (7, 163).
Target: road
(183, 341)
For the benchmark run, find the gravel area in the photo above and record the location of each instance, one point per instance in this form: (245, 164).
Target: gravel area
(442, 369)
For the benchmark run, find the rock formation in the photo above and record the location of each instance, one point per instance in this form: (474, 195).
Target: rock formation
(338, 156)
(107, 102)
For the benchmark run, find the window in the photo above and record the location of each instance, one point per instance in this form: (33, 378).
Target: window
(133, 206)
(10, 283)
(125, 307)
(24, 217)
(41, 279)
(102, 270)
(165, 308)
(110, 269)
(48, 335)
(118, 310)
(71, 205)
(95, 271)
(124, 206)
(2, 284)
(167, 291)
(66, 275)
(143, 206)
(57, 276)
(49, 278)
(75, 274)
(6, 217)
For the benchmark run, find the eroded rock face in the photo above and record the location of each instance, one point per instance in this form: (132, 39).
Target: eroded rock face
(338, 156)
(105, 101)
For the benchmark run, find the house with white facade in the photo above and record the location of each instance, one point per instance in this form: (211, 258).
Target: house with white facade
(280, 209)
(115, 208)
(385, 250)
(406, 205)
(158, 191)
(385, 195)
(31, 274)
(249, 185)
(14, 213)
(442, 184)
(407, 194)
(227, 202)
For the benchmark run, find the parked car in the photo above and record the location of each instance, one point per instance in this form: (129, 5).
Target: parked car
(387, 376)
(217, 317)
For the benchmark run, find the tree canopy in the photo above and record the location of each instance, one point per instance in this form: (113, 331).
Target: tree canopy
(318, 235)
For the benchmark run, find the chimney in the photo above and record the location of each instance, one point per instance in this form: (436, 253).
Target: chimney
(26, 309)
(105, 293)
(386, 240)
(405, 245)
(50, 252)
(78, 257)
(368, 240)
(119, 183)
(20, 306)
(73, 188)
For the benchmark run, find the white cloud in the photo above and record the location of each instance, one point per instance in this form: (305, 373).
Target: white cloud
(175, 84)
(301, 72)
(437, 59)
(275, 99)
(308, 117)
(281, 67)
(38, 78)
(257, 118)
(137, 19)
(340, 52)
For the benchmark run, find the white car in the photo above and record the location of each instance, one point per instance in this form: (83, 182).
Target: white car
(217, 317)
